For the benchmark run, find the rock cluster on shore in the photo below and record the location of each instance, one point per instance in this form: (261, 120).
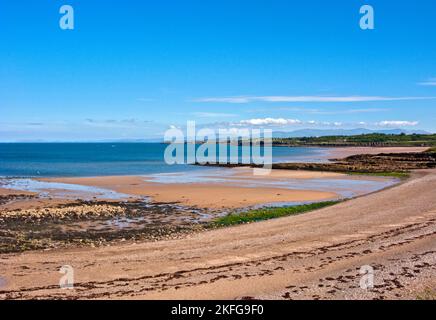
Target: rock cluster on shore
(67, 212)
(365, 163)
(14, 197)
(97, 223)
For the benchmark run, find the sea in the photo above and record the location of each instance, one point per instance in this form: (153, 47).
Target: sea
(31, 160)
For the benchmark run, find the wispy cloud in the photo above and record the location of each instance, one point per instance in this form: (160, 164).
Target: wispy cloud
(350, 111)
(323, 112)
(323, 99)
(282, 122)
(392, 123)
(430, 82)
(270, 121)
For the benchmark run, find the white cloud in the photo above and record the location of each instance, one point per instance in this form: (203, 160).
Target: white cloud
(431, 82)
(328, 99)
(270, 121)
(397, 123)
(322, 112)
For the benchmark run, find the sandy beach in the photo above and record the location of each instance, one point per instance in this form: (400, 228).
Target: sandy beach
(314, 255)
(213, 195)
(225, 193)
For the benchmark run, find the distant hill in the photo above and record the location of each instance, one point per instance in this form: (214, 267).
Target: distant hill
(341, 132)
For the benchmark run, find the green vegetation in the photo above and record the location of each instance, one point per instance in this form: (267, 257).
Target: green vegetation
(269, 213)
(374, 139)
(399, 175)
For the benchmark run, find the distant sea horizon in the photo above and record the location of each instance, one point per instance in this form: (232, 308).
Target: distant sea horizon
(84, 159)
(305, 132)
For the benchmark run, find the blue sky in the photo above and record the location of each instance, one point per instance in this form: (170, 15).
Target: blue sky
(131, 69)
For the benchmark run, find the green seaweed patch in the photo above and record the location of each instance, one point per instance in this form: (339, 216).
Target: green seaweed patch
(255, 215)
(393, 174)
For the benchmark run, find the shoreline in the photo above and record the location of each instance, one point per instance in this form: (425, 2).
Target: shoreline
(116, 207)
(316, 254)
(382, 164)
(163, 194)
(158, 211)
(231, 188)
(274, 245)
(228, 192)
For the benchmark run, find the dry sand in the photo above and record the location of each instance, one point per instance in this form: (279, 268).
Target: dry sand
(314, 255)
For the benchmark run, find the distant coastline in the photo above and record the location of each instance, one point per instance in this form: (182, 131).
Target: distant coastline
(364, 140)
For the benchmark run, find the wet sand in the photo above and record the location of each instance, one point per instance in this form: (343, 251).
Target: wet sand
(203, 195)
(11, 192)
(316, 255)
(231, 188)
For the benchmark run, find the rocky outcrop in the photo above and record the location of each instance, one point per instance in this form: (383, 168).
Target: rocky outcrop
(365, 163)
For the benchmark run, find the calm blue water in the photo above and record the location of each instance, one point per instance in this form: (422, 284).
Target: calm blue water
(105, 159)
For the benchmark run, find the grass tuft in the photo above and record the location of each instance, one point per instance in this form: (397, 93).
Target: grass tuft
(268, 213)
